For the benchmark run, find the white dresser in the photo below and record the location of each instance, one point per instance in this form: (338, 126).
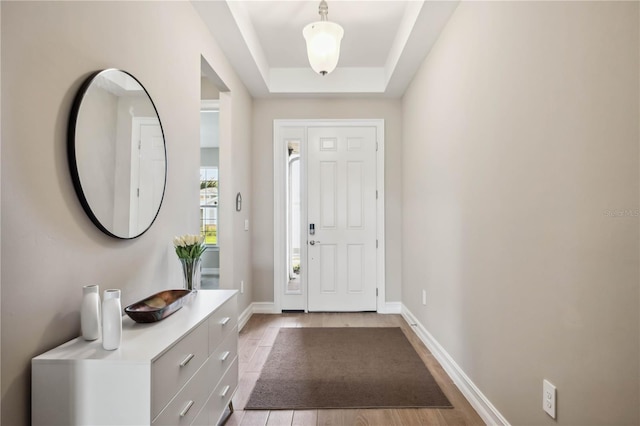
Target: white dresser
(182, 370)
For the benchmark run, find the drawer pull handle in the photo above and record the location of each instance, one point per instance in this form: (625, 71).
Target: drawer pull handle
(225, 356)
(186, 360)
(186, 409)
(225, 320)
(224, 391)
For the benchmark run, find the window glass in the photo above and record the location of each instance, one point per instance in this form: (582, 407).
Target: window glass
(209, 204)
(293, 218)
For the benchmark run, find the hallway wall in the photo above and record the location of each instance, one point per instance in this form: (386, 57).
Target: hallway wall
(50, 248)
(521, 205)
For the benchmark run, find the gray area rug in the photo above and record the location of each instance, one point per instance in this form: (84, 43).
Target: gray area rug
(310, 368)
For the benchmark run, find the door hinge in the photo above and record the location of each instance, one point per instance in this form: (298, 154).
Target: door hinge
(138, 194)
(139, 144)
(376, 292)
(376, 194)
(376, 146)
(376, 243)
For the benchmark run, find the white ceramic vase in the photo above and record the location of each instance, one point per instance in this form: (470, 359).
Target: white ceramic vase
(111, 319)
(90, 312)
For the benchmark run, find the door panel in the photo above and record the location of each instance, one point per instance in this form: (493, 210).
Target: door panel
(355, 193)
(328, 266)
(355, 265)
(341, 200)
(328, 195)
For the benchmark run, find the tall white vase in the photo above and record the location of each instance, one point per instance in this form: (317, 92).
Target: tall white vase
(111, 319)
(90, 312)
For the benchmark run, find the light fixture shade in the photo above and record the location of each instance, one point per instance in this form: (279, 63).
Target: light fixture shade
(323, 45)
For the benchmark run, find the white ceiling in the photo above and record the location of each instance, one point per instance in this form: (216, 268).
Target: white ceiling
(384, 43)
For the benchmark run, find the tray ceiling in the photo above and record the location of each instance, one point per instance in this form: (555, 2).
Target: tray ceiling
(384, 43)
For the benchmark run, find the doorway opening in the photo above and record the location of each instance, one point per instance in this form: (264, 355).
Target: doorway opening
(212, 144)
(209, 187)
(329, 215)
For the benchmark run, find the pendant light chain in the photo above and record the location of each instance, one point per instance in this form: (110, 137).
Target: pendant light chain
(323, 10)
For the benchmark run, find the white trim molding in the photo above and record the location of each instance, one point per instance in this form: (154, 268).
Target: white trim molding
(244, 317)
(487, 411)
(264, 308)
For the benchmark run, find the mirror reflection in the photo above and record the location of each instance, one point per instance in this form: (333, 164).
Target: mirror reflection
(117, 153)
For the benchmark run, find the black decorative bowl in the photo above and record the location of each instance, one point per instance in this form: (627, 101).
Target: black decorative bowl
(158, 306)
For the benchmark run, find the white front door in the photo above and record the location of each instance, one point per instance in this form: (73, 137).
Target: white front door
(341, 207)
(147, 172)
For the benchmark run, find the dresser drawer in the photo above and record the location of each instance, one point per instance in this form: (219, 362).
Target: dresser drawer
(221, 322)
(222, 394)
(186, 406)
(202, 419)
(223, 356)
(176, 366)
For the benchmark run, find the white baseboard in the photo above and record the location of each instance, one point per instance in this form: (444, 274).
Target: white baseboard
(255, 308)
(244, 316)
(391, 308)
(476, 398)
(264, 308)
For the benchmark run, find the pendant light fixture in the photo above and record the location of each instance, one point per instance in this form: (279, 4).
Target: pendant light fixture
(323, 42)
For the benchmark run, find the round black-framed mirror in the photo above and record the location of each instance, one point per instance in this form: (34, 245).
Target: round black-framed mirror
(117, 153)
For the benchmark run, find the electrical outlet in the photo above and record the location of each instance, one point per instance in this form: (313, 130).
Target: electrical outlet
(241, 287)
(424, 297)
(549, 398)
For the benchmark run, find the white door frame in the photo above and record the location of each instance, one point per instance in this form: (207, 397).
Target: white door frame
(280, 275)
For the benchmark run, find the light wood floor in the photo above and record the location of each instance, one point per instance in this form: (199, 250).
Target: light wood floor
(255, 342)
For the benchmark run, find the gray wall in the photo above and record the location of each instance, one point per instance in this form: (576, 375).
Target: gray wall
(520, 213)
(208, 90)
(50, 249)
(267, 110)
